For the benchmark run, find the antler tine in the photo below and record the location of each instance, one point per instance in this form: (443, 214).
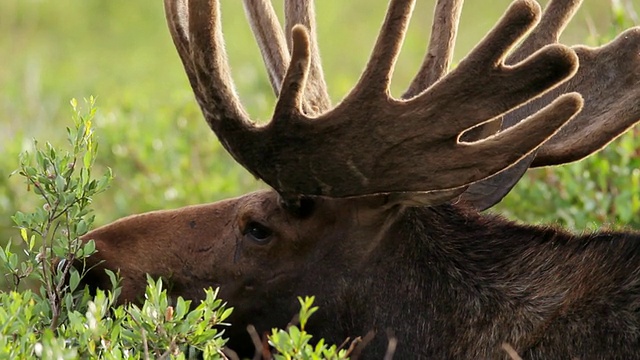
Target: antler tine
(177, 18)
(289, 104)
(555, 18)
(440, 51)
(608, 78)
(220, 104)
(376, 77)
(271, 41)
(196, 31)
(266, 29)
(374, 144)
(488, 192)
(302, 12)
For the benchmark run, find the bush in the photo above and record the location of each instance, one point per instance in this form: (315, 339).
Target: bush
(294, 343)
(48, 314)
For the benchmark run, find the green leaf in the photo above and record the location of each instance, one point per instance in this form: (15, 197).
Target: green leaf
(74, 280)
(81, 228)
(90, 248)
(60, 184)
(87, 159)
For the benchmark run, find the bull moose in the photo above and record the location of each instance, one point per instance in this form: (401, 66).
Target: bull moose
(376, 201)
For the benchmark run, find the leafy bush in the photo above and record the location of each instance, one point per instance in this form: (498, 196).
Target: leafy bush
(60, 319)
(294, 343)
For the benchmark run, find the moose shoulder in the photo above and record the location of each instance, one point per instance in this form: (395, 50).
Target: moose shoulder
(375, 202)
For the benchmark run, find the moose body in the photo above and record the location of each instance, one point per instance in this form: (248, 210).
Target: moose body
(446, 281)
(375, 207)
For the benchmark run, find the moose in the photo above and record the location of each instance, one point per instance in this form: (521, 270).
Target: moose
(376, 202)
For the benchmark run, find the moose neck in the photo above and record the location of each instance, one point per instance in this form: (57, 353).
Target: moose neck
(459, 276)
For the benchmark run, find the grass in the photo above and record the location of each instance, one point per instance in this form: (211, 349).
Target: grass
(152, 134)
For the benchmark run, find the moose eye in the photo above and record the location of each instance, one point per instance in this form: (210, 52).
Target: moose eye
(258, 232)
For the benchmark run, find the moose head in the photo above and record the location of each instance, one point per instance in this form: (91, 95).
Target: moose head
(375, 201)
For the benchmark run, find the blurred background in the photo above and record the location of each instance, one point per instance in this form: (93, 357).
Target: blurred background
(163, 155)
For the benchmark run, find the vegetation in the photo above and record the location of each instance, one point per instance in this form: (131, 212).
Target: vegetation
(59, 318)
(163, 156)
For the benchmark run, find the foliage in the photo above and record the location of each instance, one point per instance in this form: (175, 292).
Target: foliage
(52, 232)
(295, 342)
(60, 318)
(96, 330)
(152, 131)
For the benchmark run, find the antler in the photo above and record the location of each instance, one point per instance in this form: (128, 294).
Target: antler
(440, 51)
(266, 29)
(371, 143)
(269, 37)
(488, 192)
(607, 78)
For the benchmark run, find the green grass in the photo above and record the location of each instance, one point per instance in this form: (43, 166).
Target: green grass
(152, 134)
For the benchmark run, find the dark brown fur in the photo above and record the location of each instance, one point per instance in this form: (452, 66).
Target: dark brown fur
(447, 281)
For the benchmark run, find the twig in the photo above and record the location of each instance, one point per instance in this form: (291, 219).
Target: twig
(257, 342)
(145, 345)
(513, 354)
(295, 321)
(346, 341)
(357, 349)
(229, 354)
(353, 344)
(391, 347)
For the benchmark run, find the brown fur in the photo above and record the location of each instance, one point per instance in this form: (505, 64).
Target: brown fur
(450, 283)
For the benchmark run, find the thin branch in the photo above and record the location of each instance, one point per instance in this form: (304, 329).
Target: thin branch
(42, 193)
(257, 342)
(513, 354)
(229, 354)
(145, 344)
(355, 352)
(391, 347)
(353, 345)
